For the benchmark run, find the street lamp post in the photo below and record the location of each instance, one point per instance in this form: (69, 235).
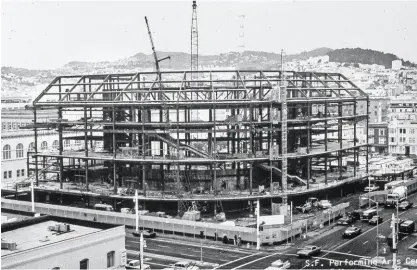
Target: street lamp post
(377, 227)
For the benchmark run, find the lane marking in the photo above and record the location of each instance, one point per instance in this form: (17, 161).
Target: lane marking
(236, 260)
(365, 242)
(342, 253)
(255, 261)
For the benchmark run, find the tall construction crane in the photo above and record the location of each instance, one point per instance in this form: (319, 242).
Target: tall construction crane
(194, 42)
(284, 129)
(154, 52)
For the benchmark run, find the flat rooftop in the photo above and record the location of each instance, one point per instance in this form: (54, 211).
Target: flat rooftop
(33, 233)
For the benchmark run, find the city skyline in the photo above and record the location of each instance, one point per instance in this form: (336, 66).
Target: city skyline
(59, 32)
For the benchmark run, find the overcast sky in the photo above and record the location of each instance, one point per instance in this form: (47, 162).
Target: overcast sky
(50, 34)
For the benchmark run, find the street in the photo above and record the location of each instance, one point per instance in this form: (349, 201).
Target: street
(337, 252)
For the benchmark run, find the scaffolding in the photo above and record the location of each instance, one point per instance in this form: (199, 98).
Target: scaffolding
(235, 148)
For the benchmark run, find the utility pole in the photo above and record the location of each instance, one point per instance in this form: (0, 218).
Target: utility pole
(32, 194)
(394, 246)
(141, 250)
(258, 240)
(137, 210)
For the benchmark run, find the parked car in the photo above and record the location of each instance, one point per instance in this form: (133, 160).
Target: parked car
(146, 234)
(309, 251)
(324, 204)
(346, 220)
(371, 188)
(351, 232)
(135, 264)
(404, 205)
(375, 220)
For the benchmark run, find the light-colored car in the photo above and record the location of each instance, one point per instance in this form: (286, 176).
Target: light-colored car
(309, 251)
(324, 204)
(371, 188)
(278, 265)
(135, 264)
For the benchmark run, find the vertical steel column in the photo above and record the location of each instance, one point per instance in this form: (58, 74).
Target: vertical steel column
(86, 146)
(143, 153)
(114, 150)
(61, 159)
(36, 146)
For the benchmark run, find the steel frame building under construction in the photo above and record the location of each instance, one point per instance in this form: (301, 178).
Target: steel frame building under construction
(217, 137)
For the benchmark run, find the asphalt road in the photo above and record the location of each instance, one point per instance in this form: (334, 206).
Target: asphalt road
(337, 252)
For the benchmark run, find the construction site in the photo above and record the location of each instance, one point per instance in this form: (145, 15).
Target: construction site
(188, 136)
(201, 136)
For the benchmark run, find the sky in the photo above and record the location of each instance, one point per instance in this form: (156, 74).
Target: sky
(49, 34)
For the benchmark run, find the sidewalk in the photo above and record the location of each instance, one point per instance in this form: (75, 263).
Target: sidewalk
(208, 243)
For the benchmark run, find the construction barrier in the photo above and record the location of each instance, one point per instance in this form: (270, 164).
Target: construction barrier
(179, 226)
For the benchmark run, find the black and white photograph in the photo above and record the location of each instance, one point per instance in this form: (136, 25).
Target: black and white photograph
(206, 134)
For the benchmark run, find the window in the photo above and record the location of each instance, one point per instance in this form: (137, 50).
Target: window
(23, 172)
(10, 174)
(392, 139)
(31, 147)
(110, 259)
(381, 132)
(7, 153)
(44, 145)
(19, 150)
(17, 173)
(67, 143)
(5, 175)
(84, 264)
(55, 145)
(4, 126)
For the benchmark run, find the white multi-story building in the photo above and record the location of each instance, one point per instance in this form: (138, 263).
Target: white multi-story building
(403, 137)
(17, 140)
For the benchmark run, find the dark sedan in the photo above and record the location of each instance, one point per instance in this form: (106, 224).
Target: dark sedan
(405, 205)
(146, 234)
(351, 232)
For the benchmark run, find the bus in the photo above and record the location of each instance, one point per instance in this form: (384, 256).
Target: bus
(103, 207)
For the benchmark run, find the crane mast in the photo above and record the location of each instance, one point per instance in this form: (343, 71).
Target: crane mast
(154, 52)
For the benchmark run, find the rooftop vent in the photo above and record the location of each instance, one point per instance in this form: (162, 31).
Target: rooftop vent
(60, 228)
(8, 245)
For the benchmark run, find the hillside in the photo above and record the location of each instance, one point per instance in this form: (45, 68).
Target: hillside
(363, 56)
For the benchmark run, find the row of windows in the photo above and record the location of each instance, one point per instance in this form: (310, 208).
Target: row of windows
(85, 263)
(404, 139)
(401, 149)
(12, 126)
(9, 174)
(402, 130)
(7, 150)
